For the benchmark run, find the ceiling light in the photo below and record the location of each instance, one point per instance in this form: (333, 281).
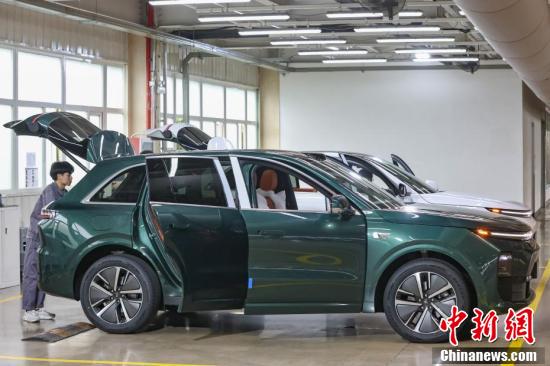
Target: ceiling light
(354, 15)
(266, 32)
(193, 2)
(422, 56)
(414, 40)
(396, 29)
(333, 48)
(332, 53)
(309, 41)
(461, 12)
(243, 18)
(356, 61)
(432, 50)
(410, 14)
(447, 59)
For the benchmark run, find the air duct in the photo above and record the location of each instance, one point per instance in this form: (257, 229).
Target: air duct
(519, 30)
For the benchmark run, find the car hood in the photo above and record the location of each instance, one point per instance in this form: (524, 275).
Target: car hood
(453, 216)
(465, 199)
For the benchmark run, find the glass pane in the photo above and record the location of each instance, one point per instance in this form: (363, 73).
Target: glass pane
(232, 134)
(95, 119)
(219, 129)
(6, 73)
(251, 137)
(29, 154)
(124, 188)
(195, 123)
(80, 113)
(251, 106)
(179, 96)
(209, 128)
(212, 100)
(115, 87)
(170, 95)
(115, 122)
(235, 103)
(194, 98)
(185, 181)
(5, 147)
(84, 83)
(39, 78)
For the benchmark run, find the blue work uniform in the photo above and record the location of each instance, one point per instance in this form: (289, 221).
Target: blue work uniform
(33, 297)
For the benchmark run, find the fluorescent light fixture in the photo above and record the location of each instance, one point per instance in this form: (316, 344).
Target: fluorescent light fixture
(193, 2)
(447, 59)
(410, 14)
(396, 29)
(461, 12)
(308, 41)
(354, 15)
(243, 18)
(414, 40)
(267, 32)
(432, 50)
(333, 48)
(422, 56)
(356, 61)
(332, 53)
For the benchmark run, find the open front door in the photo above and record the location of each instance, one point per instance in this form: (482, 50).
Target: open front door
(202, 229)
(398, 162)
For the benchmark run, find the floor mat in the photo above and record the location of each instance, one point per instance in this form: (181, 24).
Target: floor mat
(58, 334)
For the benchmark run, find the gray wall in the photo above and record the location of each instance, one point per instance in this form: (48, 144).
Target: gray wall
(462, 130)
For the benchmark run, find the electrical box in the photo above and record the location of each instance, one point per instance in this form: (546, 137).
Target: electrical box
(9, 246)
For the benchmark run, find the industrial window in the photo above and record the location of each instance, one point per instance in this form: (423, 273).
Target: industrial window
(225, 111)
(124, 188)
(185, 181)
(40, 82)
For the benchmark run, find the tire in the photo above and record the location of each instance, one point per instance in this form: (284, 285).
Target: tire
(132, 305)
(407, 319)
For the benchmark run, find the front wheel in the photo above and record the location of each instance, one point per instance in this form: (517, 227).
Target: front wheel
(120, 294)
(419, 294)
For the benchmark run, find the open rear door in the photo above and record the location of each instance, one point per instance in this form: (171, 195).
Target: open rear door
(398, 162)
(75, 136)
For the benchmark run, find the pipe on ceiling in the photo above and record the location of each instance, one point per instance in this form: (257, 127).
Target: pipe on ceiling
(519, 30)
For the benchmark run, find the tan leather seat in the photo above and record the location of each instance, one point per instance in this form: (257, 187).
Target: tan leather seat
(268, 182)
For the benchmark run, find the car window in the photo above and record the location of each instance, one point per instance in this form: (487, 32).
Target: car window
(185, 180)
(124, 188)
(273, 187)
(372, 175)
(412, 181)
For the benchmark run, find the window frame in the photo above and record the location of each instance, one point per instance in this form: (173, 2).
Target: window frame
(15, 103)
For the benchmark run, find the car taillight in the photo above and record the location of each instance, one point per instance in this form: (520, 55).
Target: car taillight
(156, 223)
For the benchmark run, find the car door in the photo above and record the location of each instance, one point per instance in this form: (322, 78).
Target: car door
(397, 161)
(300, 260)
(202, 230)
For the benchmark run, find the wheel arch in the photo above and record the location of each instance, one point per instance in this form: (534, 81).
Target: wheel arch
(407, 257)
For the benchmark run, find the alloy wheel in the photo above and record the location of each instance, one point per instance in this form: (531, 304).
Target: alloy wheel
(115, 295)
(423, 299)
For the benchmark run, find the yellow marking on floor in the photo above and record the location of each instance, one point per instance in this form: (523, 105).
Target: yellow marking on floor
(518, 343)
(93, 362)
(16, 297)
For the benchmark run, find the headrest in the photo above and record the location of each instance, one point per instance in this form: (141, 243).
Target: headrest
(268, 180)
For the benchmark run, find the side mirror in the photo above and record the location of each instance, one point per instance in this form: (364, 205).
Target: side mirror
(433, 184)
(339, 205)
(403, 191)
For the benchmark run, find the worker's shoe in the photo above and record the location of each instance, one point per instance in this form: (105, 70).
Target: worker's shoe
(44, 315)
(31, 316)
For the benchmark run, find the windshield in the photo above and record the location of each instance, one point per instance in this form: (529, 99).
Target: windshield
(373, 195)
(410, 180)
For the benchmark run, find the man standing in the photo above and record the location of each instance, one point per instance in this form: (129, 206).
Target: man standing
(33, 298)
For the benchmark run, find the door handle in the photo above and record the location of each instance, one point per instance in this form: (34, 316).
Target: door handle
(271, 233)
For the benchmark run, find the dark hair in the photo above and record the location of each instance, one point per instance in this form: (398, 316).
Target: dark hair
(60, 167)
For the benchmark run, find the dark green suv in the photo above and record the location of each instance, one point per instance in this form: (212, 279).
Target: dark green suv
(273, 232)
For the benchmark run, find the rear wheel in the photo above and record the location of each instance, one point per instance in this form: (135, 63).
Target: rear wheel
(421, 293)
(120, 294)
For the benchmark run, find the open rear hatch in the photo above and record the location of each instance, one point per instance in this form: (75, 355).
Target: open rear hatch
(75, 136)
(187, 136)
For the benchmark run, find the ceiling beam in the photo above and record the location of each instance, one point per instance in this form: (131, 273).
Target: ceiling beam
(89, 17)
(358, 45)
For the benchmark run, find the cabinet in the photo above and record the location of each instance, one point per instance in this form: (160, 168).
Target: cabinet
(9, 246)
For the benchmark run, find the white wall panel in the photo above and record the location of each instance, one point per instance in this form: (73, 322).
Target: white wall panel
(25, 201)
(462, 130)
(24, 27)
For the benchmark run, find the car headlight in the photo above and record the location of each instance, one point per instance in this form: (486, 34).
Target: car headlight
(515, 213)
(486, 233)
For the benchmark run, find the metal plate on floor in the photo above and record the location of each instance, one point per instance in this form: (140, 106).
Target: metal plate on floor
(58, 334)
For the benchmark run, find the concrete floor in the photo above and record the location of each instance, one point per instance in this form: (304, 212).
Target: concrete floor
(225, 338)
